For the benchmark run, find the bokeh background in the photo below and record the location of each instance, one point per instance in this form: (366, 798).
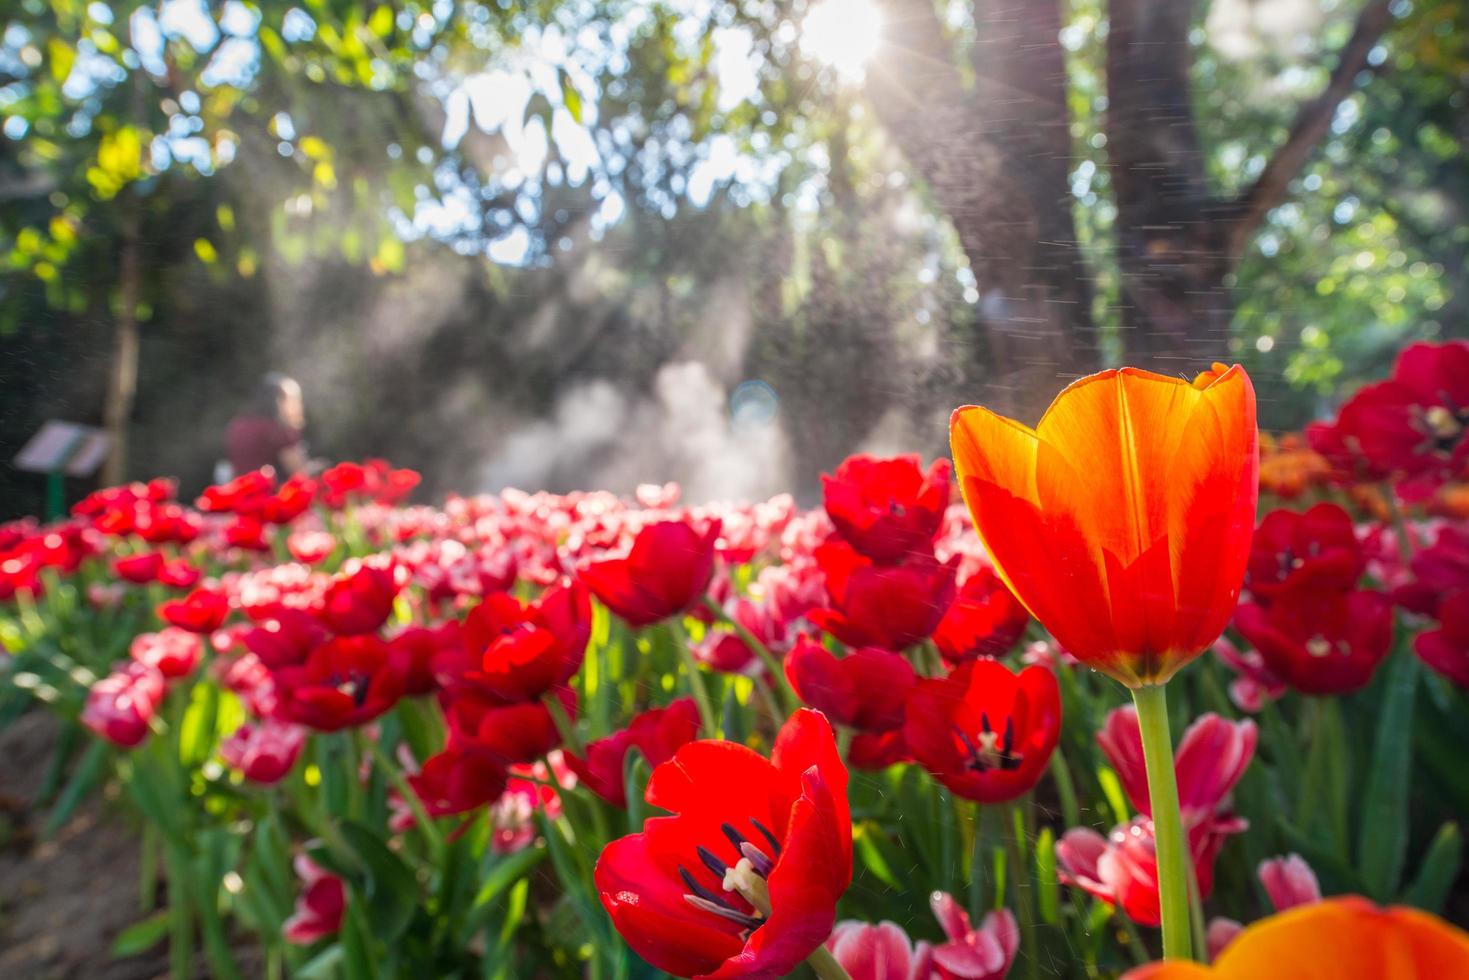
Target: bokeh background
(571, 244)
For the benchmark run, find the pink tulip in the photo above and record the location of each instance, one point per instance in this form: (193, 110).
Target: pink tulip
(319, 907)
(1289, 881)
(1221, 933)
(1212, 756)
(120, 705)
(985, 953)
(879, 952)
(264, 753)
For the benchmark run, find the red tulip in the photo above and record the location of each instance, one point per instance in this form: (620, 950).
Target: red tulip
(140, 569)
(310, 547)
(1122, 869)
(1289, 881)
(319, 907)
(1314, 550)
(345, 682)
(417, 646)
(887, 509)
(179, 574)
(458, 780)
(245, 494)
(201, 611)
(743, 879)
(360, 599)
(247, 533)
(120, 705)
(865, 689)
(285, 637)
(264, 752)
(657, 733)
(1123, 520)
(985, 953)
(1212, 757)
(665, 574)
(1438, 571)
(515, 651)
(1446, 649)
(510, 733)
(290, 501)
(173, 652)
(875, 751)
(985, 620)
(1321, 642)
(888, 606)
(985, 733)
(1413, 425)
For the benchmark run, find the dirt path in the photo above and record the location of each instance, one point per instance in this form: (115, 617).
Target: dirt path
(63, 900)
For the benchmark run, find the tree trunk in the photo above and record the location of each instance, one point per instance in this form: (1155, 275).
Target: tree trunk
(1172, 250)
(996, 157)
(122, 384)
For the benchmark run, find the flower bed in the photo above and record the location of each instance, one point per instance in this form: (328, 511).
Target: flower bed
(535, 735)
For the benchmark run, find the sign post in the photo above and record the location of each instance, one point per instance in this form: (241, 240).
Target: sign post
(59, 450)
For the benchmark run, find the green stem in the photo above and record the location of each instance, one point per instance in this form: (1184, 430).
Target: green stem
(1152, 717)
(1066, 790)
(777, 672)
(825, 966)
(564, 726)
(426, 825)
(696, 683)
(1020, 877)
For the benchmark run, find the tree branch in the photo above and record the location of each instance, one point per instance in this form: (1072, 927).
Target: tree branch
(1311, 124)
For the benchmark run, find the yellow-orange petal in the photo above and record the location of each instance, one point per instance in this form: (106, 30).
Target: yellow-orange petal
(1338, 939)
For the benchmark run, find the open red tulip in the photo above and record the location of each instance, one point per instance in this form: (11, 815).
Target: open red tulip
(517, 651)
(1123, 520)
(887, 606)
(985, 620)
(985, 733)
(743, 879)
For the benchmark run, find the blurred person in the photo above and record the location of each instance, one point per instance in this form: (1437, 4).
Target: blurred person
(268, 430)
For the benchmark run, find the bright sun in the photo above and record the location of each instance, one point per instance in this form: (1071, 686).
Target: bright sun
(843, 34)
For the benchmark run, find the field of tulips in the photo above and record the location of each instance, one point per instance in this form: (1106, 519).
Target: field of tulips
(1115, 688)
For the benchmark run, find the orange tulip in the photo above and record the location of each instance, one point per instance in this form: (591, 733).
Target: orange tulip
(1123, 520)
(1340, 939)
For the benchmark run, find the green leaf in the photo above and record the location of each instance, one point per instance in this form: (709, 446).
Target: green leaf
(198, 729)
(1439, 870)
(392, 890)
(141, 936)
(570, 97)
(381, 21)
(1382, 847)
(89, 774)
(505, 872)
(62, 56)
(1048, 885)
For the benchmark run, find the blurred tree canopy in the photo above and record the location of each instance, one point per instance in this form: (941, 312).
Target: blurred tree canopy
(442, 212)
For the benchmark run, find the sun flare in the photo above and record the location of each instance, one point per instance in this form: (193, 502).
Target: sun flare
(844, 34)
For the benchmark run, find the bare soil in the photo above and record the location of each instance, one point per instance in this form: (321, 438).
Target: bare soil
(63, 899)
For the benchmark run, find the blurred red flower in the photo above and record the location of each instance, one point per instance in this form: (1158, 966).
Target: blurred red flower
(319, 907)
(865, 689)
(985, 620)
(657, 733)
(201, 611)
(120, 705)
(510, 733)
(1446, 649)
(666, 572)
(360, 599)
(1317, 549)
(516, 651)
(1320, 642)
(173, 652)
(263, 752)
(345, 682)
(887, 509)
(887, 606)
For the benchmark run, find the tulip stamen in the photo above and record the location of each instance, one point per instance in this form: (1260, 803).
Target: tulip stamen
(724, 912)
(993, 751)
(711, 862)
(765, 832)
